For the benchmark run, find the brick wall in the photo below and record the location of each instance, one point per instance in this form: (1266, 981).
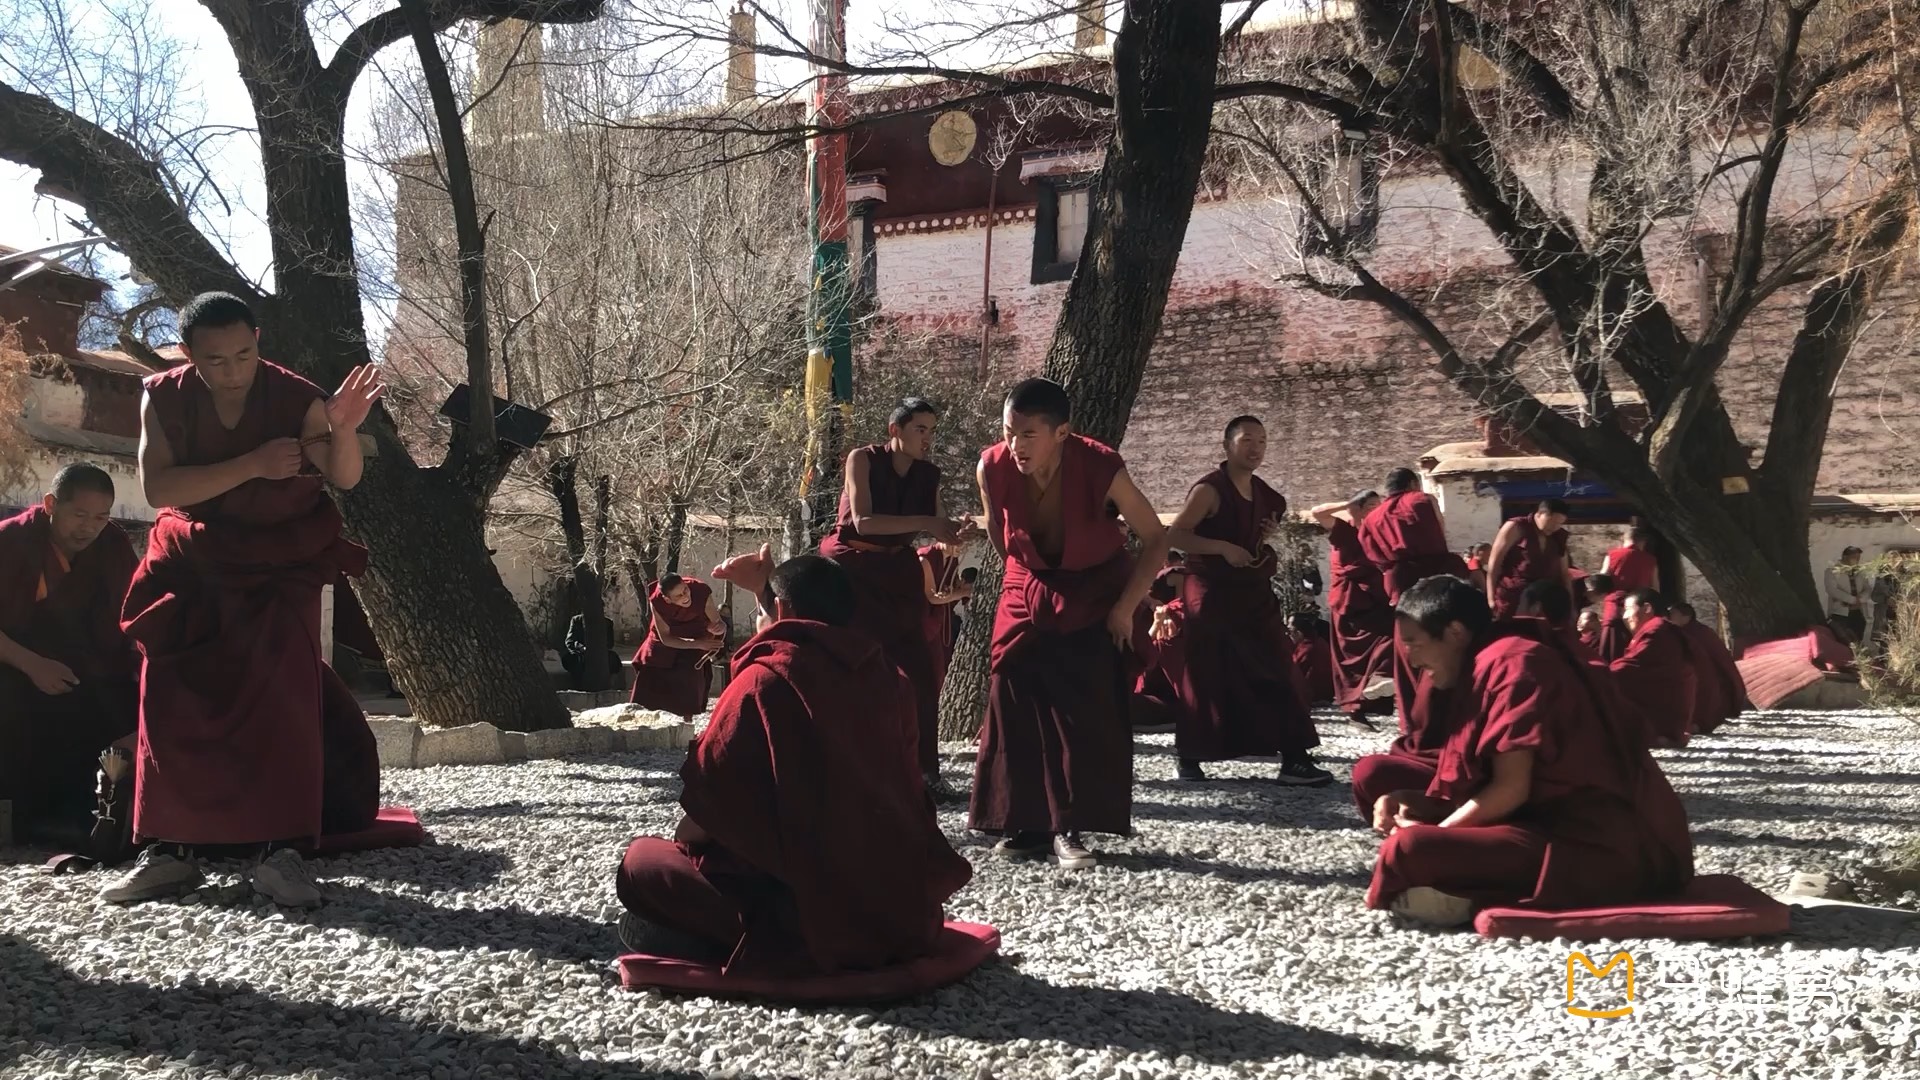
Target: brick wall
(1346, 392)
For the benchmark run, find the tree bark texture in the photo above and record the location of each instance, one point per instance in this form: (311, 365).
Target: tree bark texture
(1165, 60)
(584, 580)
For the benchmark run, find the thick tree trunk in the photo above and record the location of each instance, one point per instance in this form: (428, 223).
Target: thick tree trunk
(584, 580)
(676, 537)
(1164, 63)
(456, 642)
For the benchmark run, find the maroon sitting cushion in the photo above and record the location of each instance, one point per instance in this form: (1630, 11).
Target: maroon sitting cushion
(1714, 906)
(961, 948)
(396, 826)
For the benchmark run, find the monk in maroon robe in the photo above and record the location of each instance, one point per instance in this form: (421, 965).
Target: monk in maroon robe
(1527, 549)
(1720, 692)
(1406, 541)
(1361, 615)
(891, 495)
(1544, 796)
(673, 668)
(1656, 674)
(1313, 656)
(1633, 564)
(944, 587)
(1159, 656)
(1611, 633)
(246, 736)
(809, 844)
(1056, 754)
(69, 684)
(1241, 692)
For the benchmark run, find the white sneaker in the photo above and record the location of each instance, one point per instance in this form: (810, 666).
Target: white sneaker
(155, 874)
(1377, 689)
(1429, 905)
(283, 878)
(1069, 853)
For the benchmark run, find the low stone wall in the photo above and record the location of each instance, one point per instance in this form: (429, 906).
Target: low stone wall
(405, 744)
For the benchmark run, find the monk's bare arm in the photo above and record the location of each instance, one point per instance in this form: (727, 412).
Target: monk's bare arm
(1202, 501)
(987, 508)
(1503, 542)
(662, 631)
(872, 524)
(166, 484)
(1326, 514)
(1140, 517)
(335, 453)
(1507, 792)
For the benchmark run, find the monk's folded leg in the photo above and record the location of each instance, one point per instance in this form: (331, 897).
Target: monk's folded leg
(350, 773)
(1382, 774)
(677, 908)
(1488, 864)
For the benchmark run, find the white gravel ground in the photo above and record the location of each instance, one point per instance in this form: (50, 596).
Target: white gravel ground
(1226, 939)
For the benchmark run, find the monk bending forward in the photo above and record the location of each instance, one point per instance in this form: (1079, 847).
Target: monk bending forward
(809, 843)
(1544, 794)
(1056, 752)
(246, 736)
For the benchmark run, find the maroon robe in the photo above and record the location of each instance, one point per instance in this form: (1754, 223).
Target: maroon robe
(49, 744)
(1601, 824)
(1656, 676)
(1612, 639)
(1720, 693)
(890, 598)
(246, 735)
(1405, 540)
(1056, 750)
(938, 623)
(1241, 692)
(1633, 569)
(1534, 556)
(810, 845)
(669, 679)
(1313, 659)
(1362, 621)
(1158, 667)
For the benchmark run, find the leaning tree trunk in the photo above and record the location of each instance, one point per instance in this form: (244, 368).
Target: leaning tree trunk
(1164, 62)
(589, 598)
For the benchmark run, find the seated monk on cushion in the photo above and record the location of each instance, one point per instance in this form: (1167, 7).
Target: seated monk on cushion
(69, 679)
(1544, 795)
(1720, 693)
(247, 737)
(1656, 672)
(809, 844)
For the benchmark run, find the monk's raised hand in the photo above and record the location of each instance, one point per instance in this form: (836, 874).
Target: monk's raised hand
(276, 459)
(947, 532)
(750, 571)
(350, 404)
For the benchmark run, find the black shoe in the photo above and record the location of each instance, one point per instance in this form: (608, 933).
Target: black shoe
(1024, 845)
(1191, 770)
(941, 791)
(641, 936)
(1302, 772)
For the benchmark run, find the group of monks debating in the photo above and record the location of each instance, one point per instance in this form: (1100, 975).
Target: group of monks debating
(1522, 773)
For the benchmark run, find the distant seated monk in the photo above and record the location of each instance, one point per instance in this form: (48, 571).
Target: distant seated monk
(1590, 630)
(1313, 655)
(1610, 640)
(1720, 693)
(1157, 661)
(1544, 795)
(809, 844)
(1656, 672)
(1549, 602)
(69, 678)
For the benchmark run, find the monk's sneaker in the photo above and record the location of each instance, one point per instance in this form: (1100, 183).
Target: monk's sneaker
(283, 878)
(156, 874)
(1304, 773)
(1070, 854)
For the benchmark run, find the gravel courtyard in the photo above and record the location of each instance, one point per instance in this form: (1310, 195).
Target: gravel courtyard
(1226, 939)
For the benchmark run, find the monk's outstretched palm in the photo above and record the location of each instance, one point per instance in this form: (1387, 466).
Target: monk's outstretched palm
(354, 400)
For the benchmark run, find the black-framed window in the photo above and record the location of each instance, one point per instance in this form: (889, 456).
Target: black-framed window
(1060, 224)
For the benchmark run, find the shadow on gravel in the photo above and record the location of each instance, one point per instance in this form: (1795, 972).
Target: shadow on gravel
(225, 1026)
(448, 867)
(1291, 813)
(1188, 864)
(1732, 839)
(1701, 807)
(545, 809)
(1774, 778)
(999, 1003)
(413, 923)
